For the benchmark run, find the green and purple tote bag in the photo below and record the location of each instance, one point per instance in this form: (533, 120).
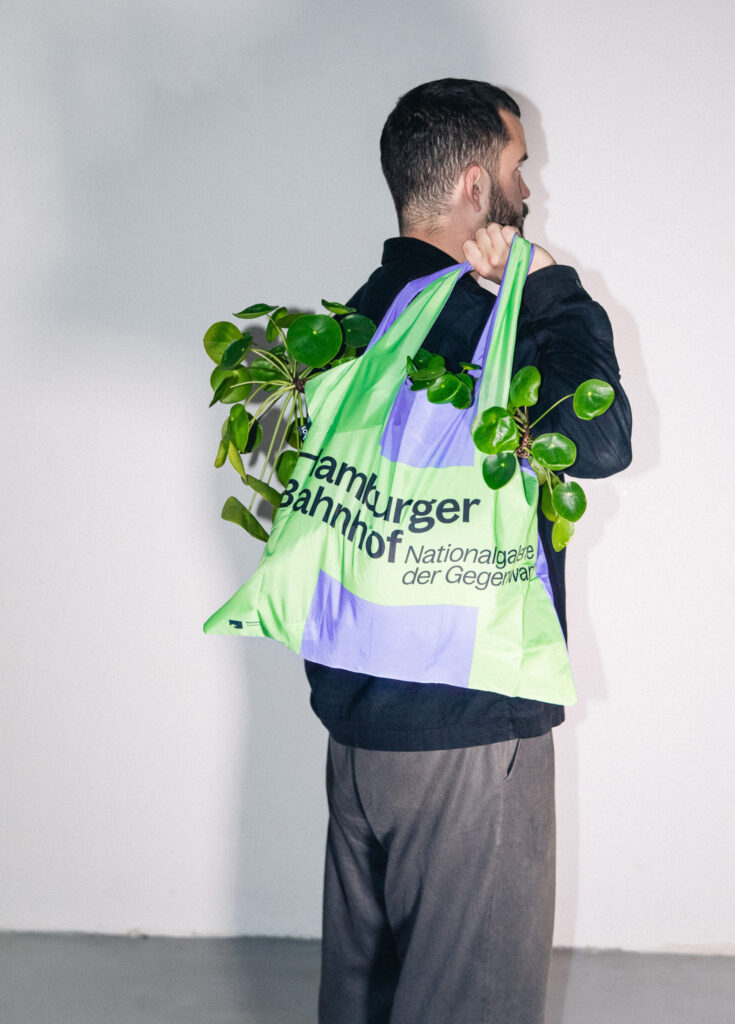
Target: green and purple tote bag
(389, 555)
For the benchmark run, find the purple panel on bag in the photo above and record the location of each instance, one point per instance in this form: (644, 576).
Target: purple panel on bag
(408, 293)
(418, 433)
(346, 631)
(542, 570)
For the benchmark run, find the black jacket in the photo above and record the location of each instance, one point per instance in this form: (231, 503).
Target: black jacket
(568, 337)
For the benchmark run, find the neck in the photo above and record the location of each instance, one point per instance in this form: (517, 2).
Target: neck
(445, 237)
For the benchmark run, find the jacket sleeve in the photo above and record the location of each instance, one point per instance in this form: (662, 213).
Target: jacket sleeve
(573, 340)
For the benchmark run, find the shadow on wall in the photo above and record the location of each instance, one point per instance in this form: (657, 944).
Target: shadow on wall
(283, 820)
(586, 655)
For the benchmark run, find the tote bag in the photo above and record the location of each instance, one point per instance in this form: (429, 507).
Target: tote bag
(389, 555)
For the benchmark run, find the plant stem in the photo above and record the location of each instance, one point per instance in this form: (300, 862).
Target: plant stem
(289, 421)
(275, 360)
(549, 410)
(266, 404)
(273, 438)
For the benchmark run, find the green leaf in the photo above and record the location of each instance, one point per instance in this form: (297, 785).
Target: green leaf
(293, 438)
(271, 330)
(470, 366)
(337, 307)
(235, 512)
(236, 462)
(314, 339)
(530, 487)
(230, 385)
(259, 309)
(264, 374)
(358, 330)
(462, 399)
(244, 431)
(524, 387)
(592, 398)
(497, 431)
(498, 469)
(540, 472)
(235, 351)
(569, 501)
(271, 495)
(561, 533)
(443, 389)
(218, 337)
(547, 506)
(222, 388)
(221, 454)
(285, 319)
(554, 451)
(285, 466)
(420, 385)
(239, 387)
(423, 357)
(433, 370)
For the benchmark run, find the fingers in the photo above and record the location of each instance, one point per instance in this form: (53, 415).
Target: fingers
(488, 251)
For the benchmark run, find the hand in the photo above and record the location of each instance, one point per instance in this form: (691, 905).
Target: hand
(488, 252)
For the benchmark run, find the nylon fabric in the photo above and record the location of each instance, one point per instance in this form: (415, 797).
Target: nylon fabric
(394, 558)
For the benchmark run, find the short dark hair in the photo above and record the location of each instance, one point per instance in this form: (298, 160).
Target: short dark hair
(434, 133)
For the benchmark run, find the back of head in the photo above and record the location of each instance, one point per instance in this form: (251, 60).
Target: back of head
(434, 133)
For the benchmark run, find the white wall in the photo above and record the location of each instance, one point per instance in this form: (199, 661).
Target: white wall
(166, 164)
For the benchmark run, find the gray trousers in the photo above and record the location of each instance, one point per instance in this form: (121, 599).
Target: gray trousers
(439, 885)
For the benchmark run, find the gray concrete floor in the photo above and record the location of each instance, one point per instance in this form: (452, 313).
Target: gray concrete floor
(93, 979)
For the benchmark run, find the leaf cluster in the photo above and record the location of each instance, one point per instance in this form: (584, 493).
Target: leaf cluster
(271, 378)
(504, 434)
(428, 372)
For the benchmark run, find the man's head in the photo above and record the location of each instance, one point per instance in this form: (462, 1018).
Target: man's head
(455, 145)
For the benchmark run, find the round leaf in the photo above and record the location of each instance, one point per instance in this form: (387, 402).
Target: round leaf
(235, 512)
(497, 470)
(221, 454)
(296, 434)
(264, 374)
(561, 533)
(496, 432)
(218, 337)
(233, 354)
(554, 451)
(423, 357)
(230, 385)
(271, 495)
(259, 309)
(462, 399)
(271, 330)
(314, 339)
(547, 506)
(569, 501)
(592, 398)
(285, 466)
(358, 330)
(337, 307)
(443, 389)
(244, 431)
(524, 387)
(433, 370)
(284, 319)
(239, 386)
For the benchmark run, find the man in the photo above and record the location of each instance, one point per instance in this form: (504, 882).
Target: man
(439, 882)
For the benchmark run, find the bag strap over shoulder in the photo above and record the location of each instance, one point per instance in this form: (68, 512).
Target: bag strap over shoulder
(428, 295)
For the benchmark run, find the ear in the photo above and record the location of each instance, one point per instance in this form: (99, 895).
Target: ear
(475, 185)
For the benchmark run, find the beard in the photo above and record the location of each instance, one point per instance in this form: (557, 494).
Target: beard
(503, 212)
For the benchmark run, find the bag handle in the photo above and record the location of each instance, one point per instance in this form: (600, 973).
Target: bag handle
(496, 359)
